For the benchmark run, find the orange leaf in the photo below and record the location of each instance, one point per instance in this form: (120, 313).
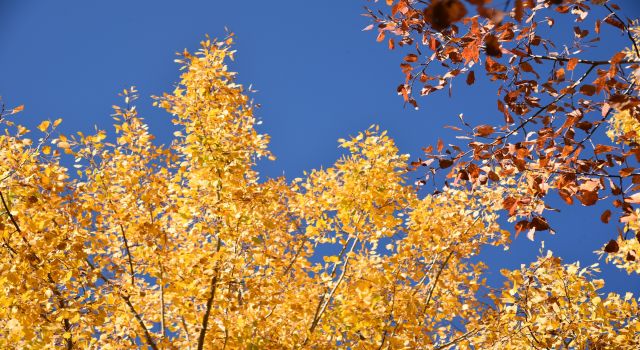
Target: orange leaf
(411, 57)
(606, 215)
(471, 78)
(518, 11)
(485, 130)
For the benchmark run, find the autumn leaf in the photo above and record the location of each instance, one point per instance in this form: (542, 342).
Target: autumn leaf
(411, 58)
(44, 125)
(484, 130)
(612, 246)
(572, 63)
(441, 14)
(471, 78)
(606, 216)
(588, 90)
(492, 47)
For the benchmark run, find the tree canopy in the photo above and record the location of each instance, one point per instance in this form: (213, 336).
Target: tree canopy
(116, 242)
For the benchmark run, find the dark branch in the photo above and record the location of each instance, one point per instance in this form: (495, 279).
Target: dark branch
(126, 246)
(207, 313)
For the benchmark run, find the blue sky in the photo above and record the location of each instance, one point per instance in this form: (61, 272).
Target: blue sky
(319, 77)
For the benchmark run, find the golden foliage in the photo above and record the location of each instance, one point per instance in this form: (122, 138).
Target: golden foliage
(182, 247)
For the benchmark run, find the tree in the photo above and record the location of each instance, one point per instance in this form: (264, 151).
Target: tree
(569, 109)
(182, 246)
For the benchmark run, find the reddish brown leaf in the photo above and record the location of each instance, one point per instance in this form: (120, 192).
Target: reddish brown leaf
(411, 57)
(614, 22)
(525, 66)
(522, 225)
(510, 204)
(518, 11)
(471, 78)
(588, 198)
(493, 176)
(606, 216)
(603, 149)
(566, 196)
(484, 130)
(626, 171)
(584, 125)
(492, 47)
(443, 13)
(445, 163)
(617, 58)
(612, 246)
(540, 223)
(588, 90)
(571, 65)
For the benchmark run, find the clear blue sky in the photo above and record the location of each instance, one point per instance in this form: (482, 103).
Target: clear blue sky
(318, 76)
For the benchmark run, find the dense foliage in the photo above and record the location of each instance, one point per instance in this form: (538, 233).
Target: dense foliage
(183, 247)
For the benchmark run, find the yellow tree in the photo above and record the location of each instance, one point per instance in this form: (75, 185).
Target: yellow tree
(184, 247)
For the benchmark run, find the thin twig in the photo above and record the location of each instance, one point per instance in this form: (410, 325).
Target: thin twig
(126, 246)
(326, 303)
(6, 208)
(162, 318)
(454, 341)
(580, 60)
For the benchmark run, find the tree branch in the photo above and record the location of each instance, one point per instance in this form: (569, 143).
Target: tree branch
(127, 299)
(205, 318)
(6, 208)
(162, 319)
(454, 341)
(126, 246)
(580, 60)
(326, 303)
(147, 335)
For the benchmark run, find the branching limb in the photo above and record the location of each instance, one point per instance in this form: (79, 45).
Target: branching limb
(207, 313)
(127, 300)
(325, 303)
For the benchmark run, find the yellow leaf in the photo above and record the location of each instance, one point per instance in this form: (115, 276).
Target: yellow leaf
(44, 125)
(331, 259)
